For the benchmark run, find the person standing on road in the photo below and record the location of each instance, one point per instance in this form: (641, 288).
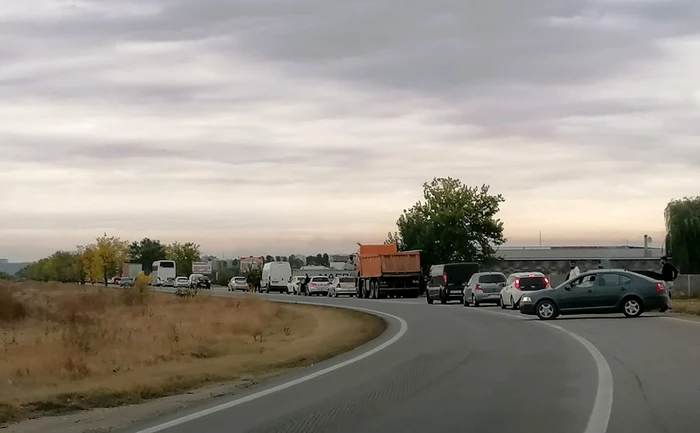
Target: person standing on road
(305, 284)
(669, 273)
(574, 271)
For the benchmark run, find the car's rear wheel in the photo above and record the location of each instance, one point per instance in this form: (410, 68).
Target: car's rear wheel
(502, 304)
(512, 304)
(632, 307)
(546, 310)
(474, 301)
(443, 298)
(428, 298)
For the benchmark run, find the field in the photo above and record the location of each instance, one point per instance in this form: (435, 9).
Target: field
(65, 347)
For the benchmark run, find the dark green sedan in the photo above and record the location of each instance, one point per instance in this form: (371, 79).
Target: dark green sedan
(598, 292)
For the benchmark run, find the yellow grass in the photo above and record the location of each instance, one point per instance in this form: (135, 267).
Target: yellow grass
(64, 347)
(686, 306)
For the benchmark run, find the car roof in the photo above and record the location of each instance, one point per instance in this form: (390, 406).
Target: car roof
(489, 273)
(527, 274)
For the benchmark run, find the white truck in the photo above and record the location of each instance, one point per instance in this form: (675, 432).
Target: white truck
(275, 276)
(131, 270)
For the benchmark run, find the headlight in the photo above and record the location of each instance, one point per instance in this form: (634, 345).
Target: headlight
(526, 299)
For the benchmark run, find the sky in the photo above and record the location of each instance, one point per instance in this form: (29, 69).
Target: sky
(280, 126)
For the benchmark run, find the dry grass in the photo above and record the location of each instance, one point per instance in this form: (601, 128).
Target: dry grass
(686, 306)
(64, 347)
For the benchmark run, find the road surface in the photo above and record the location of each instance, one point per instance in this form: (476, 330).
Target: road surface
(446, 368)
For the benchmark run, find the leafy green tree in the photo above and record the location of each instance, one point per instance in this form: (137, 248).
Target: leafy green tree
(683, 238)
(310, 260)
(145, 252)
(325, 259)
(454, 222)
(269, 259)
(183, 255)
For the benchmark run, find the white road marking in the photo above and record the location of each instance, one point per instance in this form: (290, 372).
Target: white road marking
(291, 383)
(678, 319)
(602, 406)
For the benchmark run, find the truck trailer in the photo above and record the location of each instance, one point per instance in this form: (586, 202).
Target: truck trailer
(383, 271)
(131, 270)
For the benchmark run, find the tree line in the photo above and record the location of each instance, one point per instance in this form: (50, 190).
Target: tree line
(103, 260)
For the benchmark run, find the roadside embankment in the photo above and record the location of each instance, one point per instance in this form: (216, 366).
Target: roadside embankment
(66, 348)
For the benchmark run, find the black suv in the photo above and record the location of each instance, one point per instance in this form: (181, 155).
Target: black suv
(201, 282)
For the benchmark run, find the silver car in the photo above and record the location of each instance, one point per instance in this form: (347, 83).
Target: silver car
(342, 286)
(484, 288)
(237, 283)
(319, 286)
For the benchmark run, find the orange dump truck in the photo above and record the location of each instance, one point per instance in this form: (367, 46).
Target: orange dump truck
(384, 271)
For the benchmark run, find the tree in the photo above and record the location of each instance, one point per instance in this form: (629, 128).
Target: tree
(326, 260)
(310, 260)
(111, 254)
(145, 252)
(296, 262)
(683, 238)
(269, 259)
(455, 222)
(90, 266)
(183, 255)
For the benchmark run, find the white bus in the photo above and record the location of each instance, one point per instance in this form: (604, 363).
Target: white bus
(163, 273)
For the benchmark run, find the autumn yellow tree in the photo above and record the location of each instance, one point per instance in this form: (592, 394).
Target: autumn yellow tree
(90, 266)
(110, 252)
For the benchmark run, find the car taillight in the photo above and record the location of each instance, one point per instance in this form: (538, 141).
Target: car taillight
(312, 284)
(444, 278)
(478, 287)
(546, 282)
(659, 287)
(516, 284)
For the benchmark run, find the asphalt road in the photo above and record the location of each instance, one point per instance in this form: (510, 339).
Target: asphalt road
(446, 368)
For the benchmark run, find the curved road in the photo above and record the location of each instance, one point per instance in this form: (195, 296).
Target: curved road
(446, 368)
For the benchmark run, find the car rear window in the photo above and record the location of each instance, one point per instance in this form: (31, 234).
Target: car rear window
(240, 279)
(528, 284)
(320, 279)
(458, 273)
(347, 280)
(486, 279)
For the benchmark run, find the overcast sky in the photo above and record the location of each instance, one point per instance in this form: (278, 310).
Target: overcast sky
(279, 126)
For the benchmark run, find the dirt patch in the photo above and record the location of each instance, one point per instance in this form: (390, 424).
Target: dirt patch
(66, 348)
(687, 306)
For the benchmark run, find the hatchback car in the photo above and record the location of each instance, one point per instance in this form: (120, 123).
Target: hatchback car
(126, 282)
(294, 284)
(520, 283)
(181, 282)
(484, 288)
(342, 286)
(199, 281)
(318, 286)
(237, 283)
(598, 292)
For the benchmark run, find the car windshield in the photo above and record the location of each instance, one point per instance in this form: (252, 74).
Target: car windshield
(347, 280)
(493, 279)
(240, 279)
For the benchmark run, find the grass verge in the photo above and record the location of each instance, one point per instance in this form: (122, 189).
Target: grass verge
(686, 306)
(65, 348)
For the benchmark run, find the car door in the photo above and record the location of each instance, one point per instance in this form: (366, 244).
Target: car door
(579, 295)
(610, 289)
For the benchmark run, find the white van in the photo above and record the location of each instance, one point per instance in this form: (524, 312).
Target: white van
(275, 276)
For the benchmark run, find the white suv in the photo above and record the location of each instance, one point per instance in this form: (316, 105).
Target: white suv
(519, 283)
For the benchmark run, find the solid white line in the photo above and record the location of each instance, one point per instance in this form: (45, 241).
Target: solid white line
(602, 406)
(678, 319)
(265, 392)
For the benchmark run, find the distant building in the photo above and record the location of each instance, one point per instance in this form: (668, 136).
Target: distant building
(554, 261)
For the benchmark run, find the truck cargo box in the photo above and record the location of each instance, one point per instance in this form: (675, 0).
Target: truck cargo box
(364, 249)
(397, 263)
